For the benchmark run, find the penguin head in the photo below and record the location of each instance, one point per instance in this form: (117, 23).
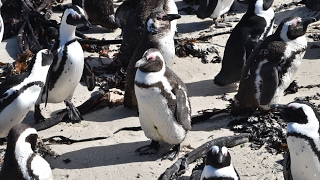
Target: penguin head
(218, 157)
(74, 15)
(160, 21)
(151, 61)
(293, 27)
(256, 6)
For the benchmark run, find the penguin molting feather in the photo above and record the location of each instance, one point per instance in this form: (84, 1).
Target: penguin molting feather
(20, 161)
(67, 67)
(255, 25)
(271, 67)
(303, 139)
(163, 103)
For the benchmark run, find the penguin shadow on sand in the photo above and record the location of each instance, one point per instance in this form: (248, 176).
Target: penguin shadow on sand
(215, 122)
(197, 88)
(97, 29)
(196, 26)
(121, 153)
(300, 11)
(11, 47)
(312, 52)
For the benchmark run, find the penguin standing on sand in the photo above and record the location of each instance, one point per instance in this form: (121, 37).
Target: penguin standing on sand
(67, 67)
(20, 160)
(271, 66)
(18, 93)
(303, 139)
(218, 165)
(164, 107)
(214, 9)
(1, 24)
(157, 34)
(255, 25)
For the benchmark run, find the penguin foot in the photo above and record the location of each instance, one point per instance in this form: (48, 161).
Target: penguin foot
(222, 25)
(73, 113)
(154, 147)
(172, 154)
(38, 118)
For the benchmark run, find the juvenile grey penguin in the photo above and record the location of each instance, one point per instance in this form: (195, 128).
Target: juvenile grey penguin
(214, 9)
(218, 165)
(164, 107)
(18, 93)
(157, 34)
(303, 139)
(272, 65)
(255, 25)
(20, 161)
(67, 67)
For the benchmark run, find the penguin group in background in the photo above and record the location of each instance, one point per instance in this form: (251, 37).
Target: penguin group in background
(20, 160)
(18, 93)
(303, 139)
(255, 25)
(164, 107)
(214, 9)
(157, 34)
(218, 165)
(99, 12)
(132, 33)
(66, 70)
(271, 66)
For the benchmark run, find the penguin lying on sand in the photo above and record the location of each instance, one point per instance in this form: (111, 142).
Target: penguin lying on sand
(303, 139)
(164, 107)
(255, 25)
(157, 34)
(67, 67)
(218, 165)
(271, 66)
(214, 9)
(20, 160)
(18, 93)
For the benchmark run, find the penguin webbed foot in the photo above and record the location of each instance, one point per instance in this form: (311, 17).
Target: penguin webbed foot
(221, 25)
(74, 115)
(152, 148)
(38, 117)
(172, 154)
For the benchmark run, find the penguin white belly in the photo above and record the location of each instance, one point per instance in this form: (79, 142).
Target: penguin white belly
(304, 163)
(1, 28)
(41, 168)
(167, 49)
(172, 10)
(222, 7)
(209, 172)
(17, 110)
(70, 76)
(268, 16)
(157, 121)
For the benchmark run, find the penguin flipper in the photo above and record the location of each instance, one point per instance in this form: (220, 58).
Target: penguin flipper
(270, 81)
(88, 76)
(183, 109)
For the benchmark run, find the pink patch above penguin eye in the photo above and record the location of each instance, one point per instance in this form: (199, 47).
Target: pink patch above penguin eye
(151, 57)
(293, 107)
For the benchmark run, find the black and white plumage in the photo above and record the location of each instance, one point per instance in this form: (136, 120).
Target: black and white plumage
(1, 24)
(303, 139)
(18, 93)
(20, 161)
(164, 107)
(218, 165)
(271, 66)
(255, 25)
(67, 67)
(214, 9)
(157, 34)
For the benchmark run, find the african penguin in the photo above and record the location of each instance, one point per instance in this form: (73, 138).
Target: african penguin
(214, 9)
(255, 25)
(218, 165)
(1, 24)
(99, 12)
(18, 93)
(67, 67)
(21, 161)
(157, 34)
(135, 23)
(271, 66)
(164, 107)
(303, 139)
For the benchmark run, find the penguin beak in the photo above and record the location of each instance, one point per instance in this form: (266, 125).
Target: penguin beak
(170, 17)
(85, 21)
(141, 62)
(278, 107)
(307, 21)
(220, 157)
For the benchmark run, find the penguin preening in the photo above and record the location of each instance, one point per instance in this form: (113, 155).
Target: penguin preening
(18, 93)
(164, 107)
(218, 165)
(271, 66)
(214, 9)
(20, 160)
(255, 25)
(303, 139)
(66, 70)
(157, 34)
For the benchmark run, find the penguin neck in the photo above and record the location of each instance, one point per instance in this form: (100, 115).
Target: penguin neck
(149, 77)
(66, 33)
(310, 130)
(267, 14)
